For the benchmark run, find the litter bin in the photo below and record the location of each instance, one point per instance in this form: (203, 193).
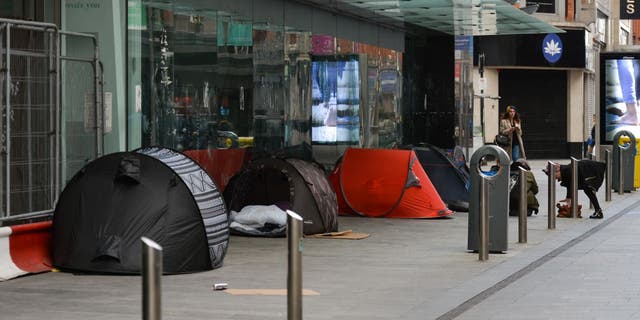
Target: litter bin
(498, 197)
(636, 162)
(622, 146)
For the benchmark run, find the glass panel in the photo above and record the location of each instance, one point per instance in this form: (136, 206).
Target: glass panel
(210, 79)
(137, 26)
(79, 138)
(384, 81)
(356, 93)
(601, 27)
(231, 84)
(193, 82)
(268, 78)
(336, 83)
(463, 81)
(624, 37)
(297, 88)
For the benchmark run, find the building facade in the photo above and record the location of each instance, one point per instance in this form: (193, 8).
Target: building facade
(559, 99)
(275, 75)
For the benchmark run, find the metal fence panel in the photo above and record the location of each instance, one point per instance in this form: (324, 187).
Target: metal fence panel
(34, 127)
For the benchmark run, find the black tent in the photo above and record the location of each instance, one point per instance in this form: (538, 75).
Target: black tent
(451, 179)
(299, 185)
(154, 192)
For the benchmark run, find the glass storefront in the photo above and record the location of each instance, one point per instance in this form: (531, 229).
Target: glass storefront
(209, 79)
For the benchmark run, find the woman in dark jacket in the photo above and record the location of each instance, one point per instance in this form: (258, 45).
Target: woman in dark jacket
(590, 177)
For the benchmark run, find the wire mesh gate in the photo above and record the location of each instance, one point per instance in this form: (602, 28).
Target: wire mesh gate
(41, 142)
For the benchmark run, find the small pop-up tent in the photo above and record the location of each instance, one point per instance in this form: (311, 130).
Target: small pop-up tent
(154, 192)
(385, 183)
(452, 182)
(294, 184)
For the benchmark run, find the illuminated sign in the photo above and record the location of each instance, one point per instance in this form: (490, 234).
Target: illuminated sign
(629, 9)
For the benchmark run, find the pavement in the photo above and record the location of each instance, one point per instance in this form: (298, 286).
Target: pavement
(405, 269)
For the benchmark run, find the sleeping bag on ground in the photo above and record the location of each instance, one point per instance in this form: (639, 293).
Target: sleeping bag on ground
(294, 184)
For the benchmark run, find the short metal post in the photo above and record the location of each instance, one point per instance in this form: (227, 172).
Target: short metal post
(483, 249)
(607, 159)
(151, 273)
(574, 188)
(620, 172)
(551, 205)
(522, 217)
(294, 277)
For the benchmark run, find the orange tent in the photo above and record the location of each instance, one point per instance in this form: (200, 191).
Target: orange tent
(385, 183)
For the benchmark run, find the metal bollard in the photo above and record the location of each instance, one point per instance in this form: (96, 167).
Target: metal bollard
(574, 187)
(620, 172)
(151, 273)
(607, 159)
(497, 191)
(522, 217)
(483, 248)
(294, 277)
(551, 205)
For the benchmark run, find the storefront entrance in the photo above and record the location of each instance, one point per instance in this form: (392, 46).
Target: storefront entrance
(541, 98)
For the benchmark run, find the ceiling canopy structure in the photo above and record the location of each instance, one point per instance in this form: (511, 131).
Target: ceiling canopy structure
(454, 17)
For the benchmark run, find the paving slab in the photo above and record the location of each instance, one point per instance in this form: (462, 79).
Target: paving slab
(406, 269)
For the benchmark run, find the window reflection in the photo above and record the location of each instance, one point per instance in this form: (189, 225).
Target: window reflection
(214, 80)
(297, 79)
(336, 99)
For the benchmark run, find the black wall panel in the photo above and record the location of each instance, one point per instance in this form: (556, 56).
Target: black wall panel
(541, 99)
(428, 67)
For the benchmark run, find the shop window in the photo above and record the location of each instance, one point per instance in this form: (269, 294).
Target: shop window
(602, 29)
(624, 37)
(336, 99)
(355, 93)
(194, 74)
(214, 80)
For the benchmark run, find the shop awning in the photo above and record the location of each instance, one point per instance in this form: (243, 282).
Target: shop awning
(455, 17)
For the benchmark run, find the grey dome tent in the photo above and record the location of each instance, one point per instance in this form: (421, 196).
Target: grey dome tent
(294, 184)
(154, 192)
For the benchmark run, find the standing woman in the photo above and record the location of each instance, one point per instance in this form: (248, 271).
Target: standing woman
(510, 126)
